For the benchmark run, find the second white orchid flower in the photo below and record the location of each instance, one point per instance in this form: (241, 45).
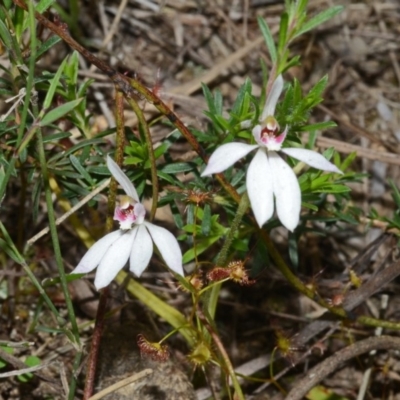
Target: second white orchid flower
(268, 175)
(133, 241)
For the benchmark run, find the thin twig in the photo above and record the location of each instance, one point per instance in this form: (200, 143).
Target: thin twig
(333, 363)
(120, 384)
(76, 207)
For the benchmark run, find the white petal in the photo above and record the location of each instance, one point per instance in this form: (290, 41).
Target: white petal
(272, 99)
(286, 190)
(259, 187)
(167, 246)
(114, 260)
(122, 179)
(94, 255)
(141, 252)
(225, 156)
(312, 158)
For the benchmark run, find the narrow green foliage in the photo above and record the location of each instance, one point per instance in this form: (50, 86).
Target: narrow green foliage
(53, 86)
(59, 112)
(319, 19)
(283, 32)
(269, 40)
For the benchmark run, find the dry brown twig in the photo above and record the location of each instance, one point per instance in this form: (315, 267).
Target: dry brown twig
(331, 364)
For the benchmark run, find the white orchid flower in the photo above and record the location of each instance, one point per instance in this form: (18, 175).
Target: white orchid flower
(133, 241)
(268, 175)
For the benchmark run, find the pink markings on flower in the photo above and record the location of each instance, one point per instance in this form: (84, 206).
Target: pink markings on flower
(128, 212)
(267, 134)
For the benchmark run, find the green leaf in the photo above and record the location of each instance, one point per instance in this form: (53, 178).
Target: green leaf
(54, 137)
(348, 161)
(323, 393)
(201, 246)
(59, 112)
(244, 91)
(31, 361)
(301, 6)
(269, 40)
(43, 5)
(160, 150)
(9, 251)
(319, 126)
(48, 44)
(209, 99)
(8, 350)
(177, 168)
(396, 193)
(53, 86)
(6, 36)
(283, 30)
(71, 70)
(218, 101)
(318, 88)
(320, 19)
(167, 177)
(206, 222)
(160, 307)
(78, 166)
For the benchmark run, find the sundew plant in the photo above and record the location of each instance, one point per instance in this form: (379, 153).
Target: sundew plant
(255, 175)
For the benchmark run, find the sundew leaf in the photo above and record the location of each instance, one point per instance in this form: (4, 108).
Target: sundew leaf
(319, 19)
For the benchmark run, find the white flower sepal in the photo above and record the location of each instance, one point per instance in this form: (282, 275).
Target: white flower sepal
(268, 175)
(133, 241)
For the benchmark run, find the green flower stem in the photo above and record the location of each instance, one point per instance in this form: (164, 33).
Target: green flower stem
(211, 299)
(153, 167)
